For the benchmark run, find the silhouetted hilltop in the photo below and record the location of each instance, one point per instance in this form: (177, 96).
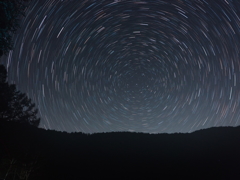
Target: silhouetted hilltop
(211, 153)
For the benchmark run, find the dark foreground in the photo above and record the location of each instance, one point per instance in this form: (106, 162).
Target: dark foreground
(36, 154)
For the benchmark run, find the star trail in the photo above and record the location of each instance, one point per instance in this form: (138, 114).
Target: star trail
(129, 65)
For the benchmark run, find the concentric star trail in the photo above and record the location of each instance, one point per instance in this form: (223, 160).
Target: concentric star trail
(146, 66)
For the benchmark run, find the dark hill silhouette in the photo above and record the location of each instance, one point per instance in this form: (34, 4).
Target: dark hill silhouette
(212, 153)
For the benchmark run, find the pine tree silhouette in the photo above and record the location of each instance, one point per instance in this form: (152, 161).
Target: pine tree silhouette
(10, 14)
(14, 105)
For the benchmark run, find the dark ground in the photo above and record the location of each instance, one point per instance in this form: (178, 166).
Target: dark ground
(38, 154)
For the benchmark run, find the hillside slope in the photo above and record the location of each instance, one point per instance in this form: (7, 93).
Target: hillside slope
(43, 154)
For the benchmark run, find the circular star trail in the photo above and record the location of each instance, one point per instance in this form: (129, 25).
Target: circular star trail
(117, 65)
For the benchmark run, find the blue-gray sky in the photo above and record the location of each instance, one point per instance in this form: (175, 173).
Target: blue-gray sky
(119, 65)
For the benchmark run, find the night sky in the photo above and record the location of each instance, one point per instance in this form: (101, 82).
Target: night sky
(118, 65)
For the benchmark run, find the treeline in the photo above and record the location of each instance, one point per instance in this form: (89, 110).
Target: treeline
(40, 154)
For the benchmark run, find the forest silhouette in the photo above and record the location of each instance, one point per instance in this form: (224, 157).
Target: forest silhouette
(28, 152)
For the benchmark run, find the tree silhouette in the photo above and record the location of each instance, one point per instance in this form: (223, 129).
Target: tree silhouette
(14, 105)
(10, 12)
